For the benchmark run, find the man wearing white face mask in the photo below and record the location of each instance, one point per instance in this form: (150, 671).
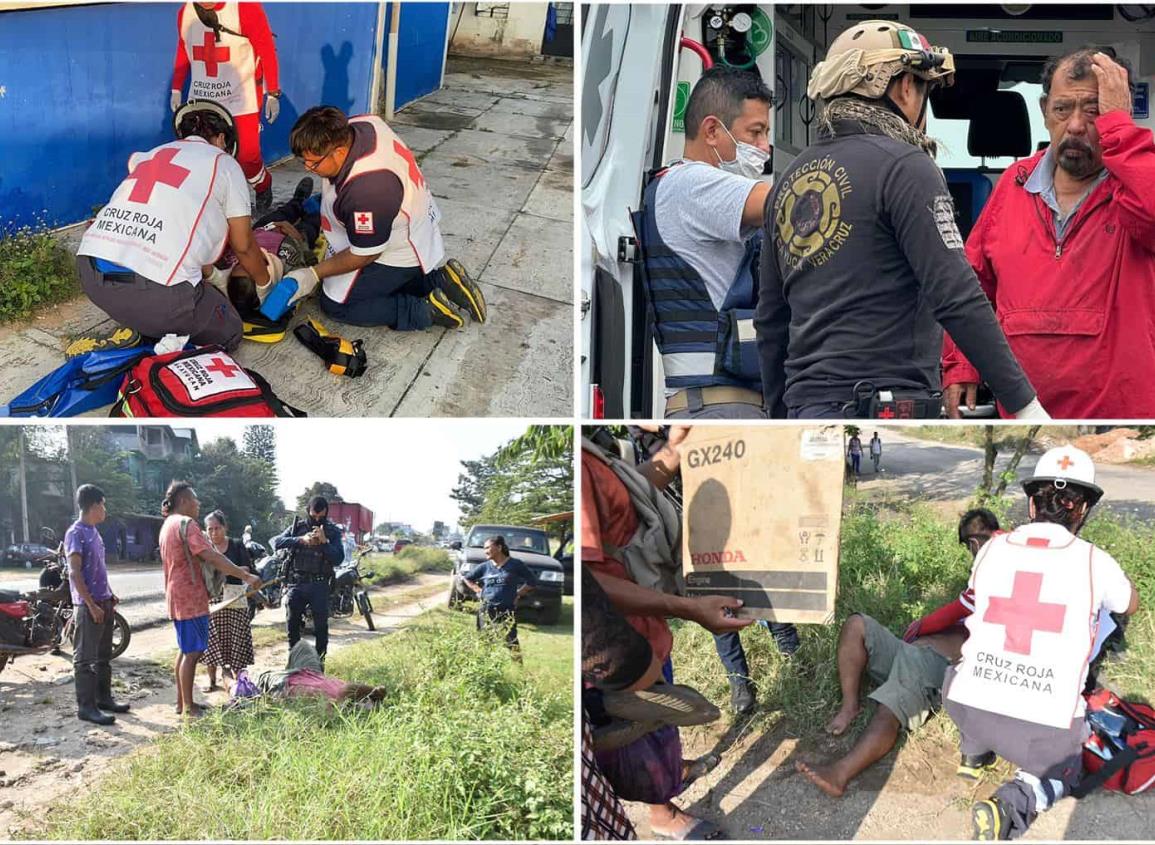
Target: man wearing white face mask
(699, 233)
(864, 265)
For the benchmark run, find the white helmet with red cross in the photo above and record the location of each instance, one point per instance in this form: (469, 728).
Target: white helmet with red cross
(1063, 466)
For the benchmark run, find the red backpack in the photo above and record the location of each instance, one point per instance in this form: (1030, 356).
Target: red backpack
(1124, 731)
(202, 382)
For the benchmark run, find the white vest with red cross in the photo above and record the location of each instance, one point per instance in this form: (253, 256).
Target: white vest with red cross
(162, 221)
(415, 239)
(1032, 629)
(223, 70)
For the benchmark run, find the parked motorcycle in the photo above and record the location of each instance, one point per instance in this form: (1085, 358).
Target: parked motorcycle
(56, 595)
(347, 592)
(27, 626)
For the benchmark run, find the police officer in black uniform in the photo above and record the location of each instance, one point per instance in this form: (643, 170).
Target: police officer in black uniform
(863, 264)
(315, 552)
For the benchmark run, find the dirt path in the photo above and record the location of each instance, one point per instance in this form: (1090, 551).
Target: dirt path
(46, 752)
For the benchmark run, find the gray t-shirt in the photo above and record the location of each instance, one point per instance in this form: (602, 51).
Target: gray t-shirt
(699, 215)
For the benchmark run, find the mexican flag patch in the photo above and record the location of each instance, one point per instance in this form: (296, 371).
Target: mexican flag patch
(911, 40)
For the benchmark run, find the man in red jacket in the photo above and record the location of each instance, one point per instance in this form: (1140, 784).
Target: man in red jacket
(1065, 250)
(229, 50)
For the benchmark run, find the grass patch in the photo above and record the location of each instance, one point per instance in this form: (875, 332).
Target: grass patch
(381, 569)
(899, 560)
(35, 270)
(467, 746)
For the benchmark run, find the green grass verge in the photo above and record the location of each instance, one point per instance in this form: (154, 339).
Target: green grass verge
(900, 560)
(35, 270)
(467, 746)
(380, 569)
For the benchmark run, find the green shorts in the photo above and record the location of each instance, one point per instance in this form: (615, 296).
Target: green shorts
(909, 677)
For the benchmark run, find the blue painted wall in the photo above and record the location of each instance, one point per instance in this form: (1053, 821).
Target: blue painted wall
(420, 49)
(82, 88)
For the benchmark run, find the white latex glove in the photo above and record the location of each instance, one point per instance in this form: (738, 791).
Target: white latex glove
(170, 343)
(174, 100)
(272, 108)
(218, 278)
(1033, 411)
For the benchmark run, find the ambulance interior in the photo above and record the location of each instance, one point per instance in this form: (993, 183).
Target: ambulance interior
(984, 123)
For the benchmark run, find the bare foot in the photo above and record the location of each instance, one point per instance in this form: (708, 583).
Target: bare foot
(671, 823)
(210, 688)
(823, 777)
(843, 718)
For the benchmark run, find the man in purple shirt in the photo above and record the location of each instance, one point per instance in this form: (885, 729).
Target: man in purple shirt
(94, 600)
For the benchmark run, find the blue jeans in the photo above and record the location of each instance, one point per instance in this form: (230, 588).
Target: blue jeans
(729, 646)
(315, 596)
(385, 296)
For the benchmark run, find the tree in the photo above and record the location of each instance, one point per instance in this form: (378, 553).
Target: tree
(472, 485)
(988, 489)
(529, 477)
(318, 488)
(260, 442)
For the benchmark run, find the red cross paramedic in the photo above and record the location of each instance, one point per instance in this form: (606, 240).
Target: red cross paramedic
(386, 263)
(182, 204)
(228, 50)
(1038, 592)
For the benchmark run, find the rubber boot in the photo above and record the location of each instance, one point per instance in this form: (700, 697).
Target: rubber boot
(742, 700)
(104, 699)
(86, 709)
(263, 202)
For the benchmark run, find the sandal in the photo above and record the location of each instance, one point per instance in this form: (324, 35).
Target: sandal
(671, 704)
(699, 768)
(703, 830)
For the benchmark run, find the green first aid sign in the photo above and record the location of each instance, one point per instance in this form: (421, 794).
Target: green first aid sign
(681, 97)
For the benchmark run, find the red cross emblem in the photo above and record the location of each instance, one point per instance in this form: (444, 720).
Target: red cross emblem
(1065, 463)
(363, 218)
(414, 171)
(157, 169)
(210, 54)
(887, 413)
(220, 365)
(1022, 613)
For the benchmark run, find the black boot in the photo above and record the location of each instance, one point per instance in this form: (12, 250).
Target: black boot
(104, 699)
(742, 700)
(304, 189)
(972, 766)
(86, 709)
(264, 201)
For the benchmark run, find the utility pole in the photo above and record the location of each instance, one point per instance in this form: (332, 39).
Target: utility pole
(23, 486)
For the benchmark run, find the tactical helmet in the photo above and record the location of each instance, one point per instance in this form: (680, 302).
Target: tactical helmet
(1066, 466)
(218, 117)
(863, 60)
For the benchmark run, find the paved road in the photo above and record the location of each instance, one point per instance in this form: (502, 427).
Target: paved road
(938, 471)
(130, 584)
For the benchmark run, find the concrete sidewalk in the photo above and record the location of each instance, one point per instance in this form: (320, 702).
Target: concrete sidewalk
(496, 147)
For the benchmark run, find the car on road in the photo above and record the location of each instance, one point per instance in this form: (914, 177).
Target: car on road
(400, 544)
(27, 555)
(529, 545)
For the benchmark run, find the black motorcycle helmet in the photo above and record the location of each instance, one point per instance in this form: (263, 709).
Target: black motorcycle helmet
(206, 119)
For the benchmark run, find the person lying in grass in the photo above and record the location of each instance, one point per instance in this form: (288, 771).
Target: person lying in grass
(305, 676)
(909, 672)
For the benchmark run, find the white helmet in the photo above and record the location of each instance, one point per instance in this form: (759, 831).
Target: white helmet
(1066, 465)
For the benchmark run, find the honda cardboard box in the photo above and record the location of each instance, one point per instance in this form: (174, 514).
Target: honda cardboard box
(762, 517)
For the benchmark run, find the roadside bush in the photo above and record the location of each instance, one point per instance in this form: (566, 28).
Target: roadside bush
(35, 270)
(465, 747)
(386, 569)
